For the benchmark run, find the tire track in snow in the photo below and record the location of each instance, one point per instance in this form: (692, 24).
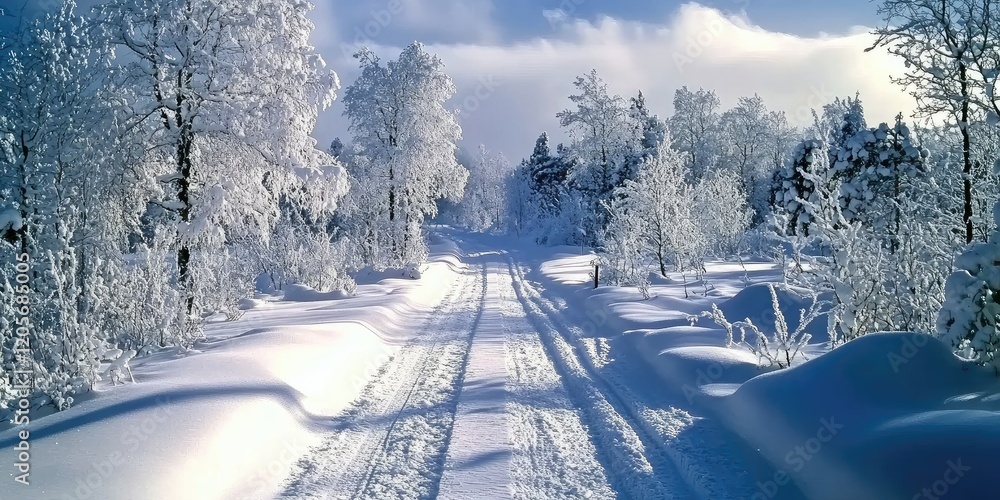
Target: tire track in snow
(553, 456)
(692, 444)
(391, 442)
(632, 458)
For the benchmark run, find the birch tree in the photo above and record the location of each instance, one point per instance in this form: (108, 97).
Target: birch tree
(407, 142)
(225, 94)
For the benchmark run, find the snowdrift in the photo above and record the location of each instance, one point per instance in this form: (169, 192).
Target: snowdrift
(884, 416)
(889, 415)
(230, 417)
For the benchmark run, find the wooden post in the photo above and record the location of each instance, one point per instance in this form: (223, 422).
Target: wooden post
(597, 274)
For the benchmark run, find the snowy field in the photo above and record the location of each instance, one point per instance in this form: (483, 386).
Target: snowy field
(502, 373)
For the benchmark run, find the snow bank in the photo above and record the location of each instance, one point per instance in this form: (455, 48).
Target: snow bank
(229, 418)
(890, 415)
(303, 293)
(884, 416)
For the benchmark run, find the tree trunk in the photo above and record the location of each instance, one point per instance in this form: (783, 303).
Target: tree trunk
(966, 153)
(659, 258)
(184, 278)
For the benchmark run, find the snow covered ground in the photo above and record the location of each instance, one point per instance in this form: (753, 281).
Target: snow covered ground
(890, 415)
(501, 373)
(230, 418)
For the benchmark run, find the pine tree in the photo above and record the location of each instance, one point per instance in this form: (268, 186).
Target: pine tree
(791, 186)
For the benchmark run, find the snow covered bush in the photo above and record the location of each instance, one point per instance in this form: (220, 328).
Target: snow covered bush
(849, 263)
(722, 212)
(145, 315)
(784, 345)
(625, 260)
(969, 317)
(300, 255)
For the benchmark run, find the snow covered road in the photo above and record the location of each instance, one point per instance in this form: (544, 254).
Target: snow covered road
(499, 395)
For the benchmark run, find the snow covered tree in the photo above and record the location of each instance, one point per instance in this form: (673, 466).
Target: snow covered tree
(971, 310)
(226, 92)
(653, 223)
(791, 185)
(943, 43)
(336, 148)
(648, 133)
(483, 205)
(660, 201)
(722, 212)
(407, 139)
(521, 210)
(548, 175)
(694, 128)
(602, 141)
(874, 167)
(748, 132)
(55, 207)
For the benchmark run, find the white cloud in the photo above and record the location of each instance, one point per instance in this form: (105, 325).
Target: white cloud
(697, 47)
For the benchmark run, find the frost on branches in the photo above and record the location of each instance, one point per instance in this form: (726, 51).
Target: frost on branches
(58, 199)
(141, 147)
(404, 159)
(874, 222)
(971, 310)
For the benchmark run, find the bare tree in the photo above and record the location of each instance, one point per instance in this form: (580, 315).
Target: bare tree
(948, 47)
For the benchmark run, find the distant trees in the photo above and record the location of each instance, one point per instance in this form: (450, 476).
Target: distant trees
(643, 190)
(485, 203)
(695, 129)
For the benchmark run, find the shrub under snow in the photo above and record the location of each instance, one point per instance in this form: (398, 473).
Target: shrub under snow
(968, 319)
